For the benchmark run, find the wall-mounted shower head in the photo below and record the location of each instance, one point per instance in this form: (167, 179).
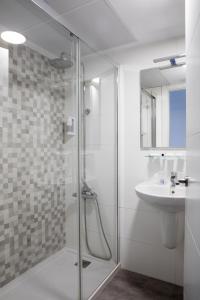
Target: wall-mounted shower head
(62, 62)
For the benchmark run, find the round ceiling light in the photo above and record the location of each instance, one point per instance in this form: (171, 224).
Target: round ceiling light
(13, 37)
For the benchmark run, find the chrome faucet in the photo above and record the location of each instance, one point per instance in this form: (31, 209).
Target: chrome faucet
(87, 192)
(173, 179)
(185, 181)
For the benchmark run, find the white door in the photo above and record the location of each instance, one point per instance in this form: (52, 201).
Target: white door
(192, 228)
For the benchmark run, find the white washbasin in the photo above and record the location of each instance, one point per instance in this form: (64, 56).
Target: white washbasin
(170, 205)
(161, 196)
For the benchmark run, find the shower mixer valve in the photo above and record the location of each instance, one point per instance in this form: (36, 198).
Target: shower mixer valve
(87, 192)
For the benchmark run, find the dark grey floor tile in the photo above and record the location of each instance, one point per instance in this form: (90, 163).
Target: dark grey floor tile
(127, 285)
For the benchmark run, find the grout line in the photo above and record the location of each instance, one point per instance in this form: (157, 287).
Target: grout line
(193, 134)
(147, 243)
(193, 238)
(115, 12)
(86, 4)
(194, 31)
(138, 209)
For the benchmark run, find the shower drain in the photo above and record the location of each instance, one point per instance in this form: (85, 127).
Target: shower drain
(85, 263)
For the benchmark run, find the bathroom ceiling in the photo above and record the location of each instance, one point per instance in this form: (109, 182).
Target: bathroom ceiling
(103, 24)
(106, 24)
(42, 34)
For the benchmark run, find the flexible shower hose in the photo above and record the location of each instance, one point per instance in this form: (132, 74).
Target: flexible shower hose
(102, 230)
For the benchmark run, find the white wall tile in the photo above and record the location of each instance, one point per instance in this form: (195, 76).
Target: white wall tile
(141, 247)
(192, 16)
(108, 215)
(98, 246)
(179, 264)
(193, 74)
(100, 122)
(149, 260)
(131, 200)
(100, 172)
(141, 226)
(193, 191)
(101, 162)
(191, 268)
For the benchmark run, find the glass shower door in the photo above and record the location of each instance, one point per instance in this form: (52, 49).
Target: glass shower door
(58, 160)
(38, 154)
(99, 201)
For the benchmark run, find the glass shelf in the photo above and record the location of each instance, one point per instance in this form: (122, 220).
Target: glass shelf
(164, 155)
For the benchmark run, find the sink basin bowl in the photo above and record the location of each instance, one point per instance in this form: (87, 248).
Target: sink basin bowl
(170, 205)
(161, 196)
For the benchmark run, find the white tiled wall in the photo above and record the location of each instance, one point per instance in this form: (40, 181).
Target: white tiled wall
(141, 247)
(192, 222)
(101, 162)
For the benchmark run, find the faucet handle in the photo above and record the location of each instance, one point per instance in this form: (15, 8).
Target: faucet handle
(185, 181)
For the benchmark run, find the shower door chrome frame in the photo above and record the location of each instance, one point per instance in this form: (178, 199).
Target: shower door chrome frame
(117, 81)
(79, 130)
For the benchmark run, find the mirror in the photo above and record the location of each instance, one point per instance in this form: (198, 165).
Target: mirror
(163, 107)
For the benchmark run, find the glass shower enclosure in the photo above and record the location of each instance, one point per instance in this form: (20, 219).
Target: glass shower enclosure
(58, 153)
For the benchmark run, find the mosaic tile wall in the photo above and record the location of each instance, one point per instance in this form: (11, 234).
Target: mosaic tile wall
(32, 193)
